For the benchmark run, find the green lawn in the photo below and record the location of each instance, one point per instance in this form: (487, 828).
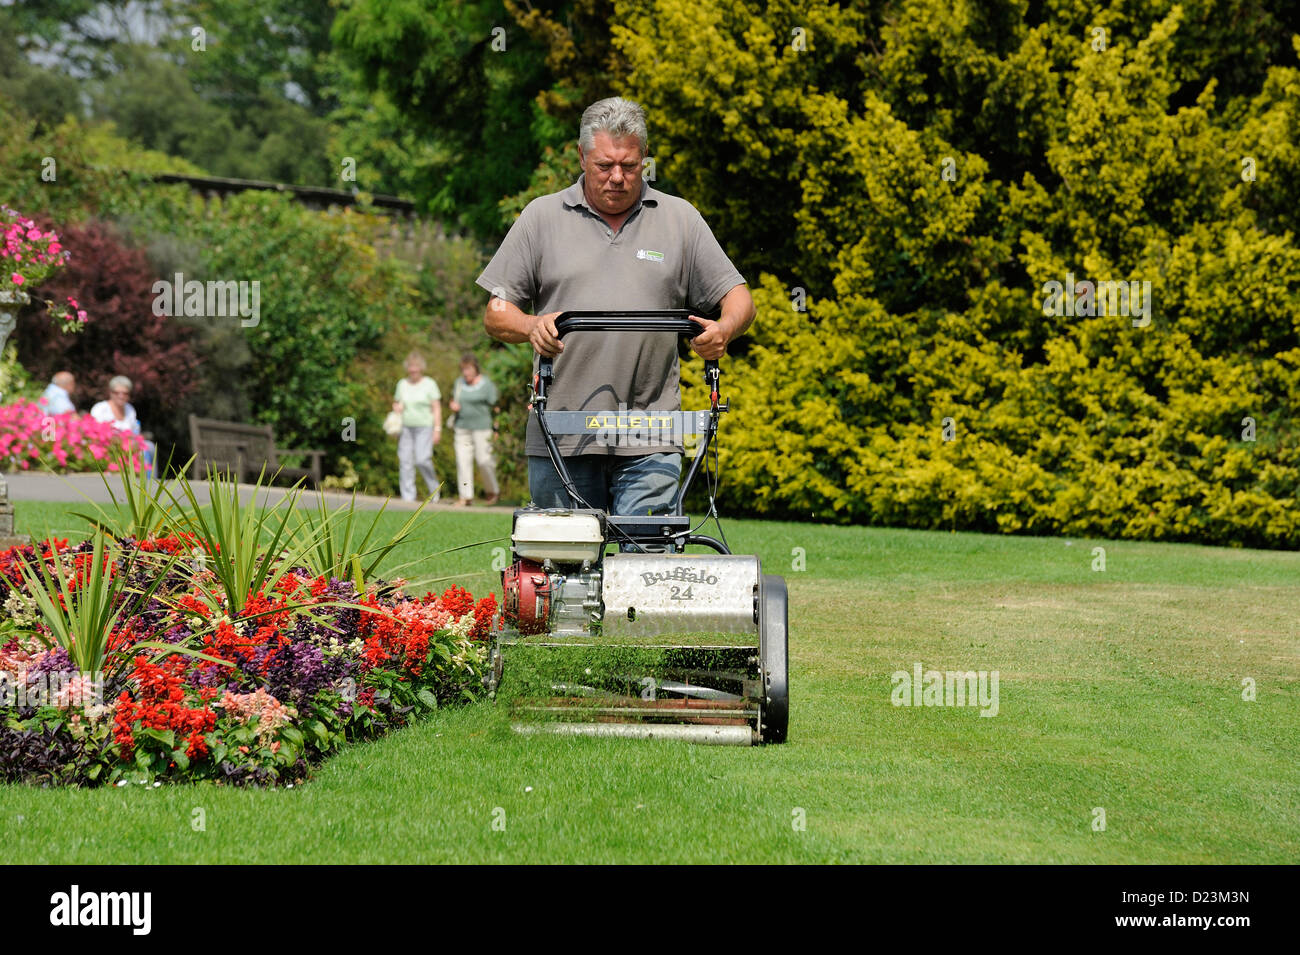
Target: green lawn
(1119, 690)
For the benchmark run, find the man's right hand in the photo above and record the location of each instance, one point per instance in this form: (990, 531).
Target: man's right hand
(543, 336)
(506, 322)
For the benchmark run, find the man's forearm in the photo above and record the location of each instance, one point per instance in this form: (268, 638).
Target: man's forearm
(737, 311)
(506, 322)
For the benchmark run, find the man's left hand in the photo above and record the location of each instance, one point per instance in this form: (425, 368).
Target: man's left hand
(711, 344)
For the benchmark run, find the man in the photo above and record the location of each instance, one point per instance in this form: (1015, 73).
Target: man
(611, 242)
(57, 396)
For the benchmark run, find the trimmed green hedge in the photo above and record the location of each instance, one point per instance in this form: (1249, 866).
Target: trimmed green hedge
(940, 168)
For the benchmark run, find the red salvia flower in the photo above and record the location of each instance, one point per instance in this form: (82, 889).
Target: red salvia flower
(457, 601)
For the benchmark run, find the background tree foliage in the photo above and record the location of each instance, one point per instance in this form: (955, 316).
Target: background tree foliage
(467, 89)
(238, 89)
(925, 294)
(340, 305)
(113, 282)
(910, 173)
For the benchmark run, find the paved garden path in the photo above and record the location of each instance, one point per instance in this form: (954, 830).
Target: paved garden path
(75, 488)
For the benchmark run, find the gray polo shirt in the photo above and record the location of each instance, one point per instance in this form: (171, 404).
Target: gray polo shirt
(561, 256)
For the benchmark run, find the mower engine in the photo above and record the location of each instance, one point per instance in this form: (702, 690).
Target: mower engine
(554, 584)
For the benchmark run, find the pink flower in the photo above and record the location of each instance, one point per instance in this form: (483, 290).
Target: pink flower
(17, 279)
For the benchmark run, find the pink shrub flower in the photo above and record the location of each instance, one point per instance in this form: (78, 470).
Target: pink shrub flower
(261, 706)
(74, 442)
(40, 254)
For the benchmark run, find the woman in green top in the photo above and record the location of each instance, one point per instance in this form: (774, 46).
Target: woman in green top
(419, 402)
(472, 400)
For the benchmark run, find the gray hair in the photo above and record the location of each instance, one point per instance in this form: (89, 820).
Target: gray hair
(615, 116)
(120, 381)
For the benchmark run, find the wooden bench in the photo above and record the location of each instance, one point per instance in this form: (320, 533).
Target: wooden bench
(243, 450)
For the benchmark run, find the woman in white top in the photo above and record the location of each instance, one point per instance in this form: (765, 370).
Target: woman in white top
(419, 402)
(119, 412)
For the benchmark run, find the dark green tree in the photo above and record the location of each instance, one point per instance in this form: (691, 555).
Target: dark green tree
(465, 78)
(254, 52)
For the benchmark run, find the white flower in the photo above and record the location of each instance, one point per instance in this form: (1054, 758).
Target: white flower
(20, 610)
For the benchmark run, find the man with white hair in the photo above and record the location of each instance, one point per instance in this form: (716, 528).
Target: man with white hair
(610, 242)
(57, 397)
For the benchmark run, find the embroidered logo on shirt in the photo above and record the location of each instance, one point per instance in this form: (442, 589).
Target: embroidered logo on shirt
(649, 255)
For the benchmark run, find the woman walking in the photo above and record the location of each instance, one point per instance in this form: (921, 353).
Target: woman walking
(419, 402)
(473, 396)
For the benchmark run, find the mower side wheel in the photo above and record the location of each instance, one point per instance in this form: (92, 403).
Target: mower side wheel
(773, 628)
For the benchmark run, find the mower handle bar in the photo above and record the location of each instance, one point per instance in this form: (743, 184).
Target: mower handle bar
(675, 320)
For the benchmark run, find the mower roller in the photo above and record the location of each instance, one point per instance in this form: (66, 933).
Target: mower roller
(648, 641)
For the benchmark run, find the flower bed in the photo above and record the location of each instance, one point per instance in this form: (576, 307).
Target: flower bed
(188, 689)
(31, 437)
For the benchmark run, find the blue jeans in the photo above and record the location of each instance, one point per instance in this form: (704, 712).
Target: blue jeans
(626, 486)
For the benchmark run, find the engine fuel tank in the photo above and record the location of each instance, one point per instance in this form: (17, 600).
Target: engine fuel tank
(646, 595)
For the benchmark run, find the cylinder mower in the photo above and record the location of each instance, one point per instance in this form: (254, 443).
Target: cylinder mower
(649, 640)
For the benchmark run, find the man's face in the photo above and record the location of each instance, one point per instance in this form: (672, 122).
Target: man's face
(613, 173)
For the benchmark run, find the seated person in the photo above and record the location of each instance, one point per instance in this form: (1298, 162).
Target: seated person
(57, 397)
(118, 412)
